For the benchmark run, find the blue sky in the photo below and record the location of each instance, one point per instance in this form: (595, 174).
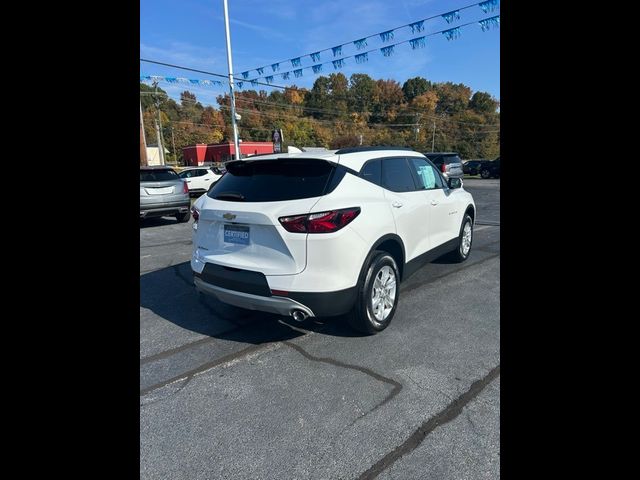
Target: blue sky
(191, 33)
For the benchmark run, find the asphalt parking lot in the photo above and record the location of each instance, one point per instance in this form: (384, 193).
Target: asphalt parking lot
(229, 393)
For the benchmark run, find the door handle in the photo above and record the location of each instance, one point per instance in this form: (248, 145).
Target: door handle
(397, 204)
(434, 203)
(207, 179)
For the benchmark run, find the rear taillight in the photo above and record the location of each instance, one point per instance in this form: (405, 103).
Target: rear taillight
(323, 222)
(185, 187)
(195, 213)
(443, 168)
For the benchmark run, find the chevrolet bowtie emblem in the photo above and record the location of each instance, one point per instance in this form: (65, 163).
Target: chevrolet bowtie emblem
(229, 216)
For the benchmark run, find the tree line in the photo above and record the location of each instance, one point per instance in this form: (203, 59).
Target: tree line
(336, 112)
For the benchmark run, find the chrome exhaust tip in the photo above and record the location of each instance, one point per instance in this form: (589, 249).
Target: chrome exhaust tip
(299, 315)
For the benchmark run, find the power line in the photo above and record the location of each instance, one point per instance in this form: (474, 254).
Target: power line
(364, 38)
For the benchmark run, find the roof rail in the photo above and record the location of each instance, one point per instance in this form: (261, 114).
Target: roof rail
(342, 151)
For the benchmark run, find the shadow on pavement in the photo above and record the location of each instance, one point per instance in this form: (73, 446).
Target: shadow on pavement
(170, 294)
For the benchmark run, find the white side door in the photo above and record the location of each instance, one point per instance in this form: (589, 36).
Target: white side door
(208, 179)
(442, 206)
(410, 209)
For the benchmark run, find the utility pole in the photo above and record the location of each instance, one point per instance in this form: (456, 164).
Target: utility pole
(173, 142)
(417, 126)
(159, 131)
(143, 141)
(231, 85)
(161, 153)
(433, 139)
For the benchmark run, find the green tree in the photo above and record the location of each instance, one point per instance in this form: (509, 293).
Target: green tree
(482, 102)
(414, 87)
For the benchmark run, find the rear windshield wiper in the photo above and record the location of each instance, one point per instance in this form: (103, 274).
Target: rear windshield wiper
(229, 195)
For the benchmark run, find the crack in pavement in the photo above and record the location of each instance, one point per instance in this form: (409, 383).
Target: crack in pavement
(449, 413)
(397, 386)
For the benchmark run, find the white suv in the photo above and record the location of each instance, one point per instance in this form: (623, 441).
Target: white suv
(327, 234)
(199, 179)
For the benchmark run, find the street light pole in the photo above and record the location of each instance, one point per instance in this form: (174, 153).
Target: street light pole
(231, 85)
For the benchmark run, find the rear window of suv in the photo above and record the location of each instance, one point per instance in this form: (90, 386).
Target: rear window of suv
(157, 175)
(274, 180)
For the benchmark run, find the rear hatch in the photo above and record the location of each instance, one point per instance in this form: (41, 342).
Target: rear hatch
(238, 225)
(158, 186)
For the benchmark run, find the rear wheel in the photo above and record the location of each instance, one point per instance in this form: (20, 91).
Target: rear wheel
(183, 217)
(378, 295)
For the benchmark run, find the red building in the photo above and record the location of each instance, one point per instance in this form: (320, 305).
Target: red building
(201, 153)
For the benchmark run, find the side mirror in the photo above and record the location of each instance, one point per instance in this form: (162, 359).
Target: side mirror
(454, 182)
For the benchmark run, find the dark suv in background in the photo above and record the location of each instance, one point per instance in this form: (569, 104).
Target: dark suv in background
(490, 169)
(448, 163)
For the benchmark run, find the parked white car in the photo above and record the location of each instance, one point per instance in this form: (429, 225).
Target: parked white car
(324, 234)
(199, 179)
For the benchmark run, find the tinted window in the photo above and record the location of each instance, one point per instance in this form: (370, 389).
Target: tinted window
(436, 159)
(157, 175)
(427, 177)
(371, 172)
(396, 175)
(272, 180)
(186, 174)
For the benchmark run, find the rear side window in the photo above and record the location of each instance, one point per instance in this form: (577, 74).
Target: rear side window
(396, 175)
(157, 175)
(372, 172)
(273, 180)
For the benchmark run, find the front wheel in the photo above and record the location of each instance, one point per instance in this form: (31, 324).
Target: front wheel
(465, 239)
(378, 295)
(485, 173)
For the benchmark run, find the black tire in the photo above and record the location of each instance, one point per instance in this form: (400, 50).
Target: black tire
(484, 173)
(458, 255)
(361, 317)
(183, 217)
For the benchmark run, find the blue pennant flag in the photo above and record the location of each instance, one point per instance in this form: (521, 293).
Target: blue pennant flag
(317, 68)
(260, 70)
(196, 82)
(269, 79)
(315, 57)
(275, 67)
(337, 50)
(387, 51)
(360, 44)
(417, 26)
(240, 84)
(295, 62)
(452, 33)
(171, 79)
(386, 36)
(144, 78)
(217, 82)
(245, 75)
(338, 63)
(298, 73)
(254, 82)
(417, 43)
(451, 16)
(489, 5)
(285, 76)
(363, 57)
(487, 23)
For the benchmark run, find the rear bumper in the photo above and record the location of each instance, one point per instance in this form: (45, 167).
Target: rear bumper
(164, 208)
(250, 290)
(278, 305)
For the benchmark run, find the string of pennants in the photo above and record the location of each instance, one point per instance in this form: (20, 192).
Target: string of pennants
(386, 36)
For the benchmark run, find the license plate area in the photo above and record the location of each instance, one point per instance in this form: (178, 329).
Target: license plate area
(160, 191)
(238, 234)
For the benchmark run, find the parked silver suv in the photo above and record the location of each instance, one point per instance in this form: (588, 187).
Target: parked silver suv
(448, 163)
(163, 193)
